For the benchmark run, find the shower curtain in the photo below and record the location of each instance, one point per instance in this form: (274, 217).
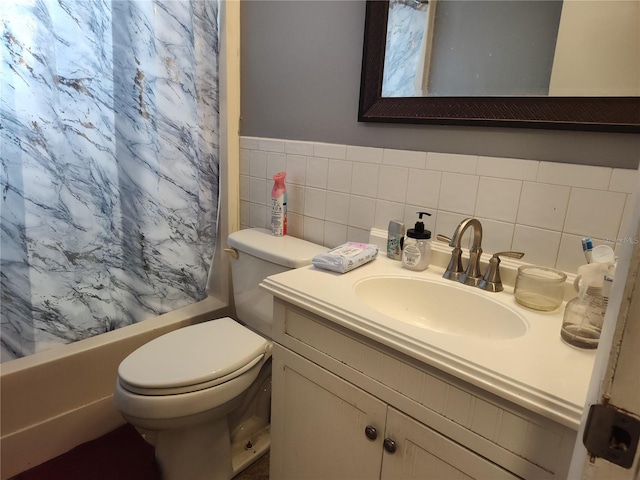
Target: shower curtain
(109, 164)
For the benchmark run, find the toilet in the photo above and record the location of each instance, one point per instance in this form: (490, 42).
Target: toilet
(203, 391)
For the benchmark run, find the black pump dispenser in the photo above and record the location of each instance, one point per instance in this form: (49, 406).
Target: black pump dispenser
(419, 231)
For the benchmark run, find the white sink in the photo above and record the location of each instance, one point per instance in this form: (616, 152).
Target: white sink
(445, 307)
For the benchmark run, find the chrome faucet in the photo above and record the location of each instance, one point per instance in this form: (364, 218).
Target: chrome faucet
(472, 275)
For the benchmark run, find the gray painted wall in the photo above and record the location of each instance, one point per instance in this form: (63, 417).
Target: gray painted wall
(301, 63)
(493, 47)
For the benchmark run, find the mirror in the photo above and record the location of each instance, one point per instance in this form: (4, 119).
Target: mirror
(546, 86)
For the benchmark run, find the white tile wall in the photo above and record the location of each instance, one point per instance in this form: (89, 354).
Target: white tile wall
(543, 205)
(338, 192)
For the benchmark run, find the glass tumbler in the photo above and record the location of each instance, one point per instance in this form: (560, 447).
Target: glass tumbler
(539, 288)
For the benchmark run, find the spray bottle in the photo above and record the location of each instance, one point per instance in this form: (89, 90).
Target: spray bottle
(584, 315)
(279, 205)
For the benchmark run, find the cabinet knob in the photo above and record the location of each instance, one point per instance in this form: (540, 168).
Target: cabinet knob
(389, 445)
(371, 432)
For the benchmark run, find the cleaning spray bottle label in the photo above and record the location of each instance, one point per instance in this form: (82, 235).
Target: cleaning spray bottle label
(279, 205)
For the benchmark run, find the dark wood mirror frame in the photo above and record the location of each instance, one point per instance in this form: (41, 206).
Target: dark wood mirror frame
(604, 114)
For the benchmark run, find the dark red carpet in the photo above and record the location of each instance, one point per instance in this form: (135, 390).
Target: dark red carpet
(119, 455)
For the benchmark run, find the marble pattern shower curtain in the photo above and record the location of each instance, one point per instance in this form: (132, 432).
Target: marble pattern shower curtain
(109, 174)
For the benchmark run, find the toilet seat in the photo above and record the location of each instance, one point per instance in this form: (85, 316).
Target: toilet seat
(192, 358)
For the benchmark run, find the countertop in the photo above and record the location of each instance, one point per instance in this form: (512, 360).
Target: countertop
(536, 371)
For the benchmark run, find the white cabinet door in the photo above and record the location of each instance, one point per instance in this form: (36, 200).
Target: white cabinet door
(318, 424)
(318, 432)
(423, 454)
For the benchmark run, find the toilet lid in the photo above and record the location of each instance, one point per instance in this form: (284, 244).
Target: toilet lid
(199, 354)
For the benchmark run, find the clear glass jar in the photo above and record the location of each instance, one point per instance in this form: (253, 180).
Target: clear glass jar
(539, 288)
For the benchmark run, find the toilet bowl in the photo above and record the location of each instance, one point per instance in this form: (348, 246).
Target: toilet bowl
(204, 390)
(183, 384)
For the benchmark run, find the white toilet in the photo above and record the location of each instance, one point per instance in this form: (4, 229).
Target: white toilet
(204, 390)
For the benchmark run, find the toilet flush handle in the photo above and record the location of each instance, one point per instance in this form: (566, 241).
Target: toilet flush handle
(233, 252)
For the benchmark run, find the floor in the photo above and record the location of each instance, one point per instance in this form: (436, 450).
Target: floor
(119, 455)
(257, 471)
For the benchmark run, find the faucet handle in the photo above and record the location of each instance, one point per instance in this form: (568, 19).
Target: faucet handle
(443, 238)
(491, 280)
(454, 270)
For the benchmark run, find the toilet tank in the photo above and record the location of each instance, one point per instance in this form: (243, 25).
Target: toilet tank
(261, 254)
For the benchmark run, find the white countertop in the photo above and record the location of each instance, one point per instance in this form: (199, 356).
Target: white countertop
(536, 371)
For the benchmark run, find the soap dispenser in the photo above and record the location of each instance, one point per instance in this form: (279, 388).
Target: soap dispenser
(416, 254)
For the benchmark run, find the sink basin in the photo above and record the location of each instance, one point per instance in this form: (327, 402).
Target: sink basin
(444, 307)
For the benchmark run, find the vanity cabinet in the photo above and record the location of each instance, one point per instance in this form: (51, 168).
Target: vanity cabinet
(346, 407)
(325, 428)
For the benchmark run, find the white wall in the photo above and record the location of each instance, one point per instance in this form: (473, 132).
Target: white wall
(338, 192)
(598, 49)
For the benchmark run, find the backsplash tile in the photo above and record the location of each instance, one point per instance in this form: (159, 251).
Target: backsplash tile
(295, 225)
(365, 179)
(498, 199)
(276, 162)
(245, 188)
(245, 156)
(314, 230)
(295, 198)
(598, 210)
(365, 154)
(330, 150)
(543, 205)
(496, 236)
(296, 168)
(298, 148)
(317, 172)
(386, 211)
(450, 162)
(258, 163)
(623, 181)
(361, 212)
(340, 174)
(338, 208)
(540, 245)
(258, 190)
(626, 223)
(511, 168)
(392, 183)
(315, 201)
(404, 158)
(570, 252)
(334, 234)
(357, 235)
(446, 223)
(458, 193)
(271, 145)
(423, 188)
(574, 175)
(251, 143)
(339, 192)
